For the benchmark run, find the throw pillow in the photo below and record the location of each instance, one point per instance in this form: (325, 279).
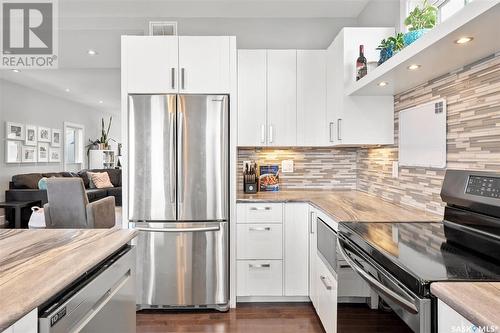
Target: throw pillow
(100, 179)
(42, 183)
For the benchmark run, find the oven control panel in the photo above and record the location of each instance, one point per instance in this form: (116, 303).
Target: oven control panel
(483, 186)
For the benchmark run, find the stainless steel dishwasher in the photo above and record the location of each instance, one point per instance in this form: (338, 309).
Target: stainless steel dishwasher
(101, 301)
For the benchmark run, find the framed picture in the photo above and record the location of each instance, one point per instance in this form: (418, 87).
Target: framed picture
(28, 154)
(56, 138)
(31, 135)
(43, 152)
(14, 131)
(54, 155)
(13, 151)
(44, 134)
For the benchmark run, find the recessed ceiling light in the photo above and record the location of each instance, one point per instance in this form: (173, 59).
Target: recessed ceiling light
(100, 102)
(383, 84)
(92, 52)
(414, 67)
(16, 70)
(463, 40)
(67, 90)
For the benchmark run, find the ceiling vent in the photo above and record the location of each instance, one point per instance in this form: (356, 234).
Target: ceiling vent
(162, 28)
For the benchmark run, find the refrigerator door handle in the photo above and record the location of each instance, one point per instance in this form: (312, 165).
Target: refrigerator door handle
(205, 229)
(180, 150)
(172, 157)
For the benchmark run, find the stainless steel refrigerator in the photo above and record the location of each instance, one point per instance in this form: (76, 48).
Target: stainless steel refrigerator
(178, 199)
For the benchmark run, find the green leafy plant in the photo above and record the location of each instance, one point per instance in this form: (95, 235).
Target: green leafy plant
(424, 17)
(104, 139)
(384, 44)
(397, 42)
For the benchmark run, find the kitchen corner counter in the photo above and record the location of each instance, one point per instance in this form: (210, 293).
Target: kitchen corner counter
(347, 205)
(478, 302)
(35, 265)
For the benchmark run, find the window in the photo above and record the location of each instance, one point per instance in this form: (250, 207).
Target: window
(448, 8)
(73, 146)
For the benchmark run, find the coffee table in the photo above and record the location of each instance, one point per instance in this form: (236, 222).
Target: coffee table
(17, 206)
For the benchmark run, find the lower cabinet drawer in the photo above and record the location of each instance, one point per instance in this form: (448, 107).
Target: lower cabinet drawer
(326, 294)
(259, 278)
(259, 241)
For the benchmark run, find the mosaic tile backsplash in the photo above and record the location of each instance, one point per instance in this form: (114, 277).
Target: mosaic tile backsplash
(473, 142)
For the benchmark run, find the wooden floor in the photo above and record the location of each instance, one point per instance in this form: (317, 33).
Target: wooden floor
(270, 318)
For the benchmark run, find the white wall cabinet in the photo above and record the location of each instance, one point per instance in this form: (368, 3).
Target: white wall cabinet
(252, 98)
(312, 126)
(172, 64)
(356, 120)
(296, 259)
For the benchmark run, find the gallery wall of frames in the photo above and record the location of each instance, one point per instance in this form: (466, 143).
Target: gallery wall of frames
(25, 143)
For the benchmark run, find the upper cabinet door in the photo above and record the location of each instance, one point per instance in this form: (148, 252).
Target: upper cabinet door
(252, 88)
(282, 97)
(312, 126)
(151, 63)
(204, 64)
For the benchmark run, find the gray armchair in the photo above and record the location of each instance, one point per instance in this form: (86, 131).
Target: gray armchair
(68, 206)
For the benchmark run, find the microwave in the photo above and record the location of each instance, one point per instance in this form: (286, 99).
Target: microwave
(327, 245)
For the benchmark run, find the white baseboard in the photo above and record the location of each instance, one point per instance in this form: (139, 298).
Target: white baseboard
(271, 299)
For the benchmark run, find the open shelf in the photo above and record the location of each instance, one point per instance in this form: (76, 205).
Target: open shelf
(437, 52)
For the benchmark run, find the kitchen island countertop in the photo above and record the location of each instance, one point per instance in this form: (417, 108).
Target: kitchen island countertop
(35, 265)
(347, 205)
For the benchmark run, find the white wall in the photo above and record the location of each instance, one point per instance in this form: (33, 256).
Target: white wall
(381, 13)
(25, 105)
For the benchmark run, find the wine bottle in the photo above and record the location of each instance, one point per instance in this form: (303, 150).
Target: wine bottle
(361, 66)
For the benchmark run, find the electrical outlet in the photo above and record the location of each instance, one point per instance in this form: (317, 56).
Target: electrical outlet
(395, 169)
(287, 166)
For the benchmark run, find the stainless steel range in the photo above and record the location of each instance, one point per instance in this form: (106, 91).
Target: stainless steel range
(178, 199)
(401, 260)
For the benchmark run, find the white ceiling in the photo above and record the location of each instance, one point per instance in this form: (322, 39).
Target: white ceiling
(98, 25)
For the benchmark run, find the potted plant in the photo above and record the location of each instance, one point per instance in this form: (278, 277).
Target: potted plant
(388, 47)
(103, 142)
(419, 21)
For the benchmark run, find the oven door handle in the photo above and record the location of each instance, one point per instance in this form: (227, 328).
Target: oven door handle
(206, 229)
(407, 304)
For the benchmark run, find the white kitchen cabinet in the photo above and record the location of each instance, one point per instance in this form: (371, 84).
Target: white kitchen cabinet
(282, 98)
(204, 65)
(312, 125)
(259, 212)
(451, 321)
(259, 241)
(259, 278)
(252, 98)
(326, 294)
(27, 324)
(296, 256)
(151, 63)
(313, 256)
(356, 120)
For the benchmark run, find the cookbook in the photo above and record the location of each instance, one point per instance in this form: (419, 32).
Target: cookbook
(269, 178)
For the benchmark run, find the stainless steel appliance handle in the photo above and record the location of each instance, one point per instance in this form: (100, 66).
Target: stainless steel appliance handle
(259, 266)
(180, 151)
(339, 133)
(408, 305)
(172, 71)
(259, 229)
(101, 303)
(330, 128)
(204, 229)
(323, 279)
(260, 208)
(262, 133)
(270, 133)
(183, 70)
(172, 180)
(311, 223)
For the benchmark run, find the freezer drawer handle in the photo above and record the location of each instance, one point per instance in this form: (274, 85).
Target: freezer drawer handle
(408, 305)
(323, 279)
(260, 229)
(179, 229)
(101, 303)
(260, 208)
(259, 266)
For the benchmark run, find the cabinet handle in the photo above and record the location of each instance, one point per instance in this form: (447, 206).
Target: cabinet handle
(172, 71)
(259, 266)
(270, 133)
(327, 286)
(182, 77)
(260, 229)
(339, 133)
(330, 129)
(260, 208)
(262, 133)
(311, 223)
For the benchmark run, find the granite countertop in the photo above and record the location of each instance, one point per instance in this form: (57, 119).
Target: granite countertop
(37, 264)
(347, 205)
(478, 302)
